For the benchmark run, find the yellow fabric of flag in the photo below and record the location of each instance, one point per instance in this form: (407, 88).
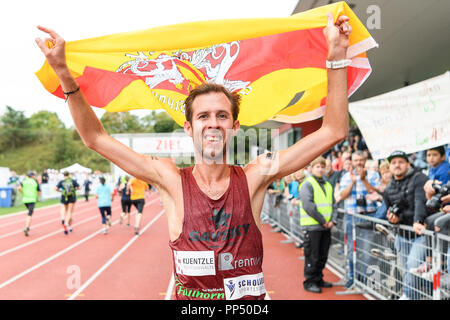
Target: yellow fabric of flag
(277, 65)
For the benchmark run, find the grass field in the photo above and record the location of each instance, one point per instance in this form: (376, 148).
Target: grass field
(20, 207)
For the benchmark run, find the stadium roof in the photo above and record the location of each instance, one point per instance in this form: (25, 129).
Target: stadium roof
(413, 41)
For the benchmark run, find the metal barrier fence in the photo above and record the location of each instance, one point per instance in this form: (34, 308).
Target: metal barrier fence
(388, 261)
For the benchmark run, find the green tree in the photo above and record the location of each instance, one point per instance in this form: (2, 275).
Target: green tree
(64, 149)
(15, 128)
(164, 123)
(121, 122)
(46, 120)
(44, 124)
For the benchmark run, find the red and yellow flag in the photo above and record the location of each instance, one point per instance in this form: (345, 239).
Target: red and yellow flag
(277, 65)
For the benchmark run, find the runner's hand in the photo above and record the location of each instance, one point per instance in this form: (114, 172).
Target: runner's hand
(53, 48)
(337, 35)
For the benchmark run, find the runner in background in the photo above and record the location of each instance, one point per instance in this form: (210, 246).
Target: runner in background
(87, 187)
(68, 188)
(137, 195)
(104, 195)
(125, 199)
(30, 190)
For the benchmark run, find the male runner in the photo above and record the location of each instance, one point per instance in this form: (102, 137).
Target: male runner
(30, 190)
(213, 209)
(68, 188)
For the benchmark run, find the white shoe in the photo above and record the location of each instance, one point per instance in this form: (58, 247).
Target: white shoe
(105, 231)
(385, 231)
(404, 297)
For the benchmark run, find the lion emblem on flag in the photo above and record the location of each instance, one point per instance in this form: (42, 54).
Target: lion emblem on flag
(181, 70)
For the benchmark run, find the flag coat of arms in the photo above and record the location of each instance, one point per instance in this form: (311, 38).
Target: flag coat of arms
(277, 65)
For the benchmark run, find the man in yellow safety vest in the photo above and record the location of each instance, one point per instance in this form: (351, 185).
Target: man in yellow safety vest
(316, 219)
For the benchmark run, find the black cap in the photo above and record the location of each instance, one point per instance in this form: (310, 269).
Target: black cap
(398, 154)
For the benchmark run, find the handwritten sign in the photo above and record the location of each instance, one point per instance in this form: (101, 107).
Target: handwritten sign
(409, 119)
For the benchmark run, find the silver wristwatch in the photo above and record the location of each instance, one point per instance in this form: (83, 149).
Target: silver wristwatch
(338, 64)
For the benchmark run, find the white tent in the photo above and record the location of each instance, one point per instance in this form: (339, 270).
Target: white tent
(4, 176)
(76, 168)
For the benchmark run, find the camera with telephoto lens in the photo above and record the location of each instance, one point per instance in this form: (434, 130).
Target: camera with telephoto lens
(435, 202)
(395, 209)
(361, 200)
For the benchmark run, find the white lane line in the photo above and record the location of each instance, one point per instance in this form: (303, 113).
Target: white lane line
(40, 264)
(114, 258)
(26, 244)
(43, 223)
(36, 212)
(170, 288)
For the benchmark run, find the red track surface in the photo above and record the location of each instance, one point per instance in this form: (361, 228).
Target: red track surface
(87, 264)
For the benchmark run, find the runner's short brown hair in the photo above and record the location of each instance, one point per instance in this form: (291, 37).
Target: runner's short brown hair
(234, 98)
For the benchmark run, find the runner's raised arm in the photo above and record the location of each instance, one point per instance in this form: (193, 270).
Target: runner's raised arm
(335, 121)
(90, 128)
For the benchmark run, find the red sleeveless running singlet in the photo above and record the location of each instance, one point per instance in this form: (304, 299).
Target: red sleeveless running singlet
(219, 253)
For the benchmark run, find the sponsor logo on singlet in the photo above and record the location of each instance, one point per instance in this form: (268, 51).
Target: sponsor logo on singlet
(226, 261)
(195, 263)
(246, 285)
(223, 229)
(208, 293)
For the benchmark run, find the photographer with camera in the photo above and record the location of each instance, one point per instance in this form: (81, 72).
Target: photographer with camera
(437, 191)
(405, 199)
(438, 200)
(437, 188)
(355, 185)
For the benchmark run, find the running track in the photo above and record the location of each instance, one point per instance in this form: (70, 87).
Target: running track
(87, 264)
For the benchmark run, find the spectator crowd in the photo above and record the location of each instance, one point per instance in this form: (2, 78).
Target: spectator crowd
(397, 189)
(410, 190)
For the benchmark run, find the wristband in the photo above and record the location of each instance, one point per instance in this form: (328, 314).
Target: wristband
(67, 94)
(339, 64)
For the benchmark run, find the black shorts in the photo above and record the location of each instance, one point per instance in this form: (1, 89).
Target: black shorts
(68, 200)
(139, 204)
(105, 211)
(30, 207)
(126, 206)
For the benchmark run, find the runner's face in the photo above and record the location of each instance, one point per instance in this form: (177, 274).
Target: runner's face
(212, 125)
